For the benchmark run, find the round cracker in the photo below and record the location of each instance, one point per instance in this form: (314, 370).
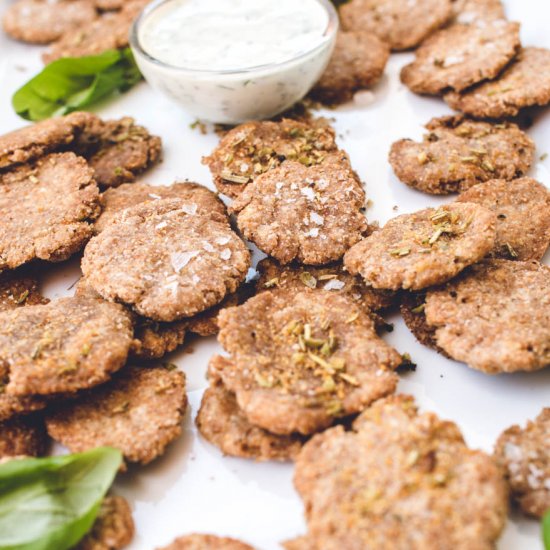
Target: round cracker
(428, 247)
(412, 310)
(22, 436)
(199, 198)
(152, 340)
(300, 360)
(42, 22)
(495, 317)
(307, 214)
(206, 542)
(400, 23)
(399, 476)
(223, 424)
(113, 528)
(139, 412)
(462, 55)
(525, 455)
(19, 291)
(47, 209)
(119, 150)
(525, 83)
(358, 62)
(473, 11)
(164, 262)
(66, 345)
(331, 278)
(253, 148)
(36, 140)
(459, 152)
(108, 32)
(522, 207)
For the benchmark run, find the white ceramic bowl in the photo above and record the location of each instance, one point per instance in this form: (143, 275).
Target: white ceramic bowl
(235, 96)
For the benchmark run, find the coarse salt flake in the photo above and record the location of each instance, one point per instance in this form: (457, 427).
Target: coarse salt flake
(190, 209)
(316, 218)
(334, 284)
(308, 193)
(180, 259)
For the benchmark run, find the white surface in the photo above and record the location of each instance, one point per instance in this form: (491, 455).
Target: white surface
(194, 488)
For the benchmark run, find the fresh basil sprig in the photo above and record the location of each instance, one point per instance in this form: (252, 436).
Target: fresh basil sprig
(51, 503)
(546, 530)
(72, 83)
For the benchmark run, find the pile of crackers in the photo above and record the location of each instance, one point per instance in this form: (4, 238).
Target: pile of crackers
(306, 374)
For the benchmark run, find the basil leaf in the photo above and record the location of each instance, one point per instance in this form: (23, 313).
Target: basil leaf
(546, 530)
(72, 83)
(51, 503)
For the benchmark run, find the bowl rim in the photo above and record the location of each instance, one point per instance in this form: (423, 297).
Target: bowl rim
(328, 35)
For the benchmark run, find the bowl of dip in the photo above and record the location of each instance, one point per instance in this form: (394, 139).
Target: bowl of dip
(229, 61)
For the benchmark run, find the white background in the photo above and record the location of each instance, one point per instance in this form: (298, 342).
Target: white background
(193, 488)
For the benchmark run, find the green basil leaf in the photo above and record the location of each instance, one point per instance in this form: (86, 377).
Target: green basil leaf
(51, 503)
(72, 83)
(546, 530)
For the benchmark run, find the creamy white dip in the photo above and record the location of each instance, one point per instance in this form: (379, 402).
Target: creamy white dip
(234, 60)
(232, 34)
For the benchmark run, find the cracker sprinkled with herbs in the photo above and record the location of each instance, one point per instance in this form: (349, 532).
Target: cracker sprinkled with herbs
(395, 468)
(252, 149)
(428, 247)
(525, 83)
(66, 345)
(139, 412)
(459, 152)
(522, 208)
(298, 361)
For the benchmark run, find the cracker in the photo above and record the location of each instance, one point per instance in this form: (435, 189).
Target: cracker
(462, 55)
(253, 148)
(113, 528)
(206, 542)
(22, 436)
(223, 424)
(139, 412)
(108, 32)
(200, 200)
(331, 278)
(164, 262)
(42, 22)
(300, 360)
(525, 83)
(358, 62)
(35, 140)
(152, 340)
(400, 23)
(46, 210)
(525, 455)
(412, 310)
(472, 11)
(459, 152)
(15, 405)
(18, 291)
(66, 345)
(495, 317)
(399, 479)
(522, 207)
(309, 214)
(119, 150)
(428, 247)
(206, 323)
